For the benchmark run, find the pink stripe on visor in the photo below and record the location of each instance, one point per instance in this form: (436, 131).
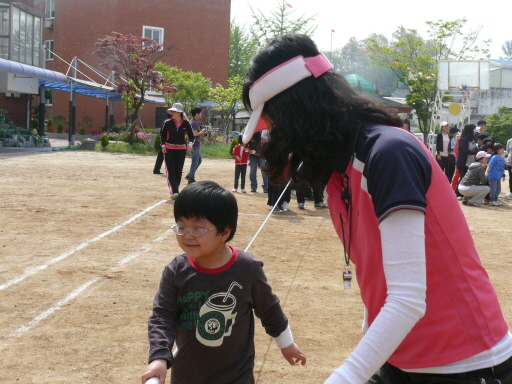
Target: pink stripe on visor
(278, 80)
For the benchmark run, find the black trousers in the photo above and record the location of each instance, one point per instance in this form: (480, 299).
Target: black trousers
(174, 161)
(318, 193)
(499, 374)
(159, 161)
(510, 176)
(451, 168)
(240, 171)
(443, 163)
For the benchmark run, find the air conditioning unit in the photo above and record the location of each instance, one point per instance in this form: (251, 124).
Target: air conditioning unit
(48, 23)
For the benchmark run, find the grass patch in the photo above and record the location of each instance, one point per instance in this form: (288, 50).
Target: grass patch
(215, 150)
(122, 147)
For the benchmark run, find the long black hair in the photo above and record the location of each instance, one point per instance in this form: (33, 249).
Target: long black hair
(314, 119)
(468, 132)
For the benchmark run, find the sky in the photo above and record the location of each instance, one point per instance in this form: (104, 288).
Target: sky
(360, 18)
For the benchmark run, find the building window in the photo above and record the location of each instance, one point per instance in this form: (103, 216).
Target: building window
(4, 31)
(48, 96)
(48, 50)
(154, 33)
(49, 9)
(25, 34)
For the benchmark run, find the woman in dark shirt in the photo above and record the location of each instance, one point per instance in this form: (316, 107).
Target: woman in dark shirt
(466, 148)
(174, 146)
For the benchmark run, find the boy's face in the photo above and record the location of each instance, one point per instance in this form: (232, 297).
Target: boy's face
(206, 249)
(500, 151)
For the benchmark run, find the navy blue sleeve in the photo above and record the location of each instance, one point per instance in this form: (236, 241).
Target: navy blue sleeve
(398, 172)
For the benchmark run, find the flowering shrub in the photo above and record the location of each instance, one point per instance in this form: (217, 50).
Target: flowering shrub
(145, 136)
(52, 128)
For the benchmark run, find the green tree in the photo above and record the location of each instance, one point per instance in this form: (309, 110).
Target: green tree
(267, 25)
(191, 87)
(414, 60)
(506, 47)
(227, 100)
(499, 125)
(242, 47)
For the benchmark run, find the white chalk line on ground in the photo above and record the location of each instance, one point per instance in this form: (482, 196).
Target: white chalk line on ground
(43, 315)
(34, 270)
(145, 248)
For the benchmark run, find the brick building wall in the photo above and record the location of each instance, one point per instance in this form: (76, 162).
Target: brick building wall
(198, 31)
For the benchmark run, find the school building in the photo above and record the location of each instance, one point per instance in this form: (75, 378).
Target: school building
(197, 30)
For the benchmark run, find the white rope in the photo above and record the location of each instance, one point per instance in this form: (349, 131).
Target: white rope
(270, 213)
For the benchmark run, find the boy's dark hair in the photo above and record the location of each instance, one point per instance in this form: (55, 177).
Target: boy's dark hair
(481, 122)
(194, 111)
(453, 130)
(497, 147)
(208, 200)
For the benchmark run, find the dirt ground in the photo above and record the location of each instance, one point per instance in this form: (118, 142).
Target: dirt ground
(83, 240)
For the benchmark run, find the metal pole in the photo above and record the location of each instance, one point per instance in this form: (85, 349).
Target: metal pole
(72, 106)
(41, 110)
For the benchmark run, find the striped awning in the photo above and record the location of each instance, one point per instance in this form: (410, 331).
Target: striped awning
(31, 71)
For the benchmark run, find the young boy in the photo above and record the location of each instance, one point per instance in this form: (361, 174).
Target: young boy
(207, 295)
(494, 172)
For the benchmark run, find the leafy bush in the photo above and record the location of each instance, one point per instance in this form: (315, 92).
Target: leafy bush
(156, 144)
(82, 131)
(499, 125)
(126, 138)
(104, 140)
(60, 127)
(234, 143)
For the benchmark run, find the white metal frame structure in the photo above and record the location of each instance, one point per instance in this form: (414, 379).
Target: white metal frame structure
(459, 80)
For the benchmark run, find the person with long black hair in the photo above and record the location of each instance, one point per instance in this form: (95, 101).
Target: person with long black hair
(432, 315)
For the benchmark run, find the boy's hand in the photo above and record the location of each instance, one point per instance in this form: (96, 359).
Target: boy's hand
(293, 354)
(157, 368)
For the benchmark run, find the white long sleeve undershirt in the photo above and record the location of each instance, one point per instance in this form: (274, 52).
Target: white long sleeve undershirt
(405, 272)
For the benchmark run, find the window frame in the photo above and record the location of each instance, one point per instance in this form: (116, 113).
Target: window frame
(48, 53)
(153, 29)
(49, 9)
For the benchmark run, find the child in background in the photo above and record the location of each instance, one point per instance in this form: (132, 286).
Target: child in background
(241, 154)
(495, 172)
(207, 296)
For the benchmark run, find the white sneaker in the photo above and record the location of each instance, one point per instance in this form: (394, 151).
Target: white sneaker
(174, 196)
(494, 203)
(269, 207)
(286, 206)
(509, 195)
(234, 190)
